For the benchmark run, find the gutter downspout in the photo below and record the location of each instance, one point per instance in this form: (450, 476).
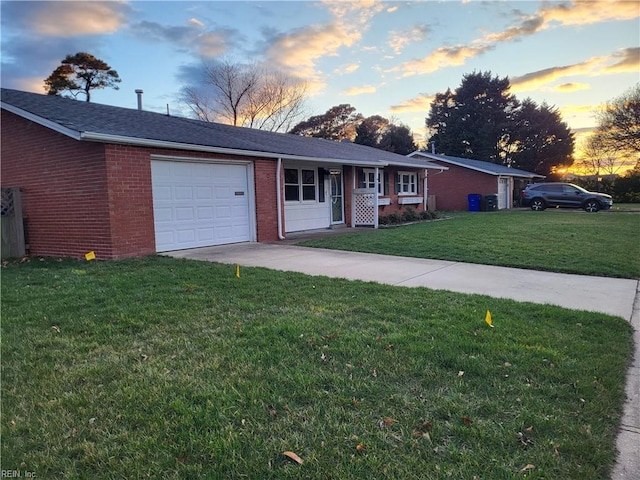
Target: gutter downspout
(375, 198)
(279, 197)
(425, 190)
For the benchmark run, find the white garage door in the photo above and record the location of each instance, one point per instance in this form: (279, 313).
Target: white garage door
(199, 204)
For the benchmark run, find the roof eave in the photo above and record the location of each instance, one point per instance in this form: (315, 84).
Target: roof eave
(145, 142)
(69, 132)
(470, 167)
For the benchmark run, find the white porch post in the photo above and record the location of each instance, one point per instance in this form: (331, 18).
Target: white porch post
(353, 196)
(375, 198)
(425, 191)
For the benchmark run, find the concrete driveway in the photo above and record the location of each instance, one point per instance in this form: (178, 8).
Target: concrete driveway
(612, 296)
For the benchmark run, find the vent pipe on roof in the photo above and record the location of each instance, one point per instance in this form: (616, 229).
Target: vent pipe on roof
(139, 93)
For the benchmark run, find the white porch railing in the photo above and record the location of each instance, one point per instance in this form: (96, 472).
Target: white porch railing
(364, 207)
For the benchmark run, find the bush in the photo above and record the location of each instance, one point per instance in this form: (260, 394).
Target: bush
(410, 215)
(428, 215)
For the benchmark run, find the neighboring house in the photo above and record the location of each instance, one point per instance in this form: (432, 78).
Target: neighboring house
(124, 182)
(465, 177)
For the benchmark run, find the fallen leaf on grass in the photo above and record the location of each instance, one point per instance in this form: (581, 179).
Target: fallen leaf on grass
(467, 421)
(387, 422)
(360, 447)
(56, 329)
(527, 467)
(460, 373)
(272, 412)
(293, 457)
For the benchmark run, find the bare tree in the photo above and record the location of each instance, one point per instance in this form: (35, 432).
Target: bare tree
(598, 158)
(246, 95)
(619, 122)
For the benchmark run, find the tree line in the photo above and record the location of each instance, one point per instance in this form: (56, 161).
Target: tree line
(480, 119)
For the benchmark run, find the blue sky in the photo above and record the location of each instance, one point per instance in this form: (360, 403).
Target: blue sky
(385, 58)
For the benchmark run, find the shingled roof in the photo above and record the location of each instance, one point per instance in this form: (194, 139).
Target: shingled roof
(108, 124)
(478, 165)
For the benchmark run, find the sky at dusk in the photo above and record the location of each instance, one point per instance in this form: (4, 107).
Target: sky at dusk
(384, 58)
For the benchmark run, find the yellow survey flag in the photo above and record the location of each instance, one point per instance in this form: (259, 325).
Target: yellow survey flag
(487, 318)
(90, 256)
(237, 271)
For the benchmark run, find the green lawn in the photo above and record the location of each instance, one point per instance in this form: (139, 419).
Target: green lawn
(165, 368)
(567, 241)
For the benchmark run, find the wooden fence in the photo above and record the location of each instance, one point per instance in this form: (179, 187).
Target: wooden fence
(11, 223)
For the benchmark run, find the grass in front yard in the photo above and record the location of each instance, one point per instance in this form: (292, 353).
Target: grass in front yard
(168, 368)
(604, 244)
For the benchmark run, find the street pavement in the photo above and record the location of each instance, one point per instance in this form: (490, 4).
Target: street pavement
(612, 296)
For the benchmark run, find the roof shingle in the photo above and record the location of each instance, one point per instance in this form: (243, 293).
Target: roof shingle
(124, 125)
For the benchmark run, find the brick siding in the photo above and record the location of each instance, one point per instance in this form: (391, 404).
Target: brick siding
(84, 196)
(453, 186)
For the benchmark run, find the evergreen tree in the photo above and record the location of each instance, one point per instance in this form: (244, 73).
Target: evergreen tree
(398, 139)
(81, 73)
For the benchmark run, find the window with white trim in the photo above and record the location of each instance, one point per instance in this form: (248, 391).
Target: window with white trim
(407, 183)
(300, 184)
(370, 179)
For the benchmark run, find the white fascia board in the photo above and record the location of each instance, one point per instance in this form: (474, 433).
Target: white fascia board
(76, 135)
(431, 166)
(145, 142)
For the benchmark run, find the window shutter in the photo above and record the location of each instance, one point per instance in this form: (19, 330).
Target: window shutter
(397, 182)
(418, 183)
(361, 178)
(321, 173)
(385, 183)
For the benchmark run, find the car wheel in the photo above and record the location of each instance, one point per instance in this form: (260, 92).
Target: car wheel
(591, 206)
(537, 204)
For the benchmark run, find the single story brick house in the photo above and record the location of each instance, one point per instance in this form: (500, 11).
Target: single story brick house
(128, 182)
(465, 177)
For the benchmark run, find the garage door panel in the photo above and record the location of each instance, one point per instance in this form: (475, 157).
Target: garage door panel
(184, 214)
(205, 213)
(195, 204)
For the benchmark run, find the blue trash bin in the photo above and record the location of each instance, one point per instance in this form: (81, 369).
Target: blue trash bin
(474, 202)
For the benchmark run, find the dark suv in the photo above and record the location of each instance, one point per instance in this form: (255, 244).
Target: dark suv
(539, 196)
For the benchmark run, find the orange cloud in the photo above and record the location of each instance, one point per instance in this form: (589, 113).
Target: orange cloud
(421, 103)
(629, 61)
(68, 19)
(399, 39)
(442, 57)
(299, 51)
(349, 68)
(586, 13)
(360, 90)
(572, 87)
(35, 85)
(626, 60)
(576, 13)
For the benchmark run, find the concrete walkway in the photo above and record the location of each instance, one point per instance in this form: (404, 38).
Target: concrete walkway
(612, 296)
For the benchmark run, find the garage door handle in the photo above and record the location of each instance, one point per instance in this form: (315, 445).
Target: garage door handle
(239, 194)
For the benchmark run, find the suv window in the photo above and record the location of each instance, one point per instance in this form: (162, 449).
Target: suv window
(552, 188)
(569, 189)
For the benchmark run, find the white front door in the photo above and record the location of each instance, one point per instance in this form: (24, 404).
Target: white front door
(337, 197)
(200, 204)
(503, 193)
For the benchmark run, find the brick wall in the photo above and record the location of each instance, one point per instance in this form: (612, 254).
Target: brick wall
(266, 201)
(63, 182)
(453, 186)
(83, 196)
